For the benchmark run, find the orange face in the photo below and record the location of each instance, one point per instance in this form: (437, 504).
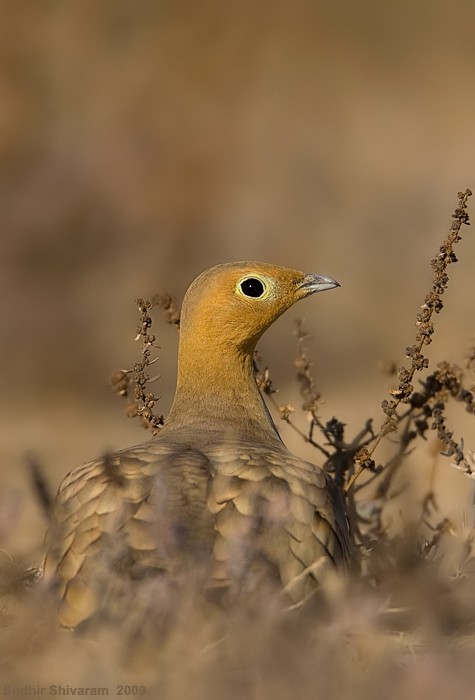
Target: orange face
(235, 303)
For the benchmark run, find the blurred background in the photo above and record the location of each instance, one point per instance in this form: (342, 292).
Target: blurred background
(142, 141)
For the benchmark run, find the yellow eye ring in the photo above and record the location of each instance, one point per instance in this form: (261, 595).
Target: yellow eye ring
(254, 286)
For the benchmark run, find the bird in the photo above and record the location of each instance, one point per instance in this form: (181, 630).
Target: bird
(216, 486)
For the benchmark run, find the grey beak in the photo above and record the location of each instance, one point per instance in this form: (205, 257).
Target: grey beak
(317, 283)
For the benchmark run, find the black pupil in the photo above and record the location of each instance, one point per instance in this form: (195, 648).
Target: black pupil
(252, 287)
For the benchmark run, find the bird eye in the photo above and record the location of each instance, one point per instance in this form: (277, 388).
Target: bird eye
(252, 287)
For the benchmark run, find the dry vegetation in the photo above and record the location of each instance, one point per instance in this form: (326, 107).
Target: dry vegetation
(402, 626)
(144, 142)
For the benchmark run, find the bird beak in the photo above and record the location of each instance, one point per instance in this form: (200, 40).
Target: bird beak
(316, 283)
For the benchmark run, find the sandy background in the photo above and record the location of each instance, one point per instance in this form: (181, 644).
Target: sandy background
(142, 142)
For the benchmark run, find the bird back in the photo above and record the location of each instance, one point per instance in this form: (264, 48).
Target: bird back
(182, 500)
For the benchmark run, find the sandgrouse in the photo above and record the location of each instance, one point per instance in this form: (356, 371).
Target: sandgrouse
(216, 475)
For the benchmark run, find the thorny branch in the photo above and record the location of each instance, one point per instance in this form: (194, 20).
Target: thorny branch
(143, 400)
(405, 391)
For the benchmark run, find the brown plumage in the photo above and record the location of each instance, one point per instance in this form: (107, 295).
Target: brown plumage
(217, 485)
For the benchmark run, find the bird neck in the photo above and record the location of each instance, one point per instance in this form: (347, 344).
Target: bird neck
(216, 389)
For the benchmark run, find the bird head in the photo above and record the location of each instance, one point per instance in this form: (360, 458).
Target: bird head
(234, 303)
